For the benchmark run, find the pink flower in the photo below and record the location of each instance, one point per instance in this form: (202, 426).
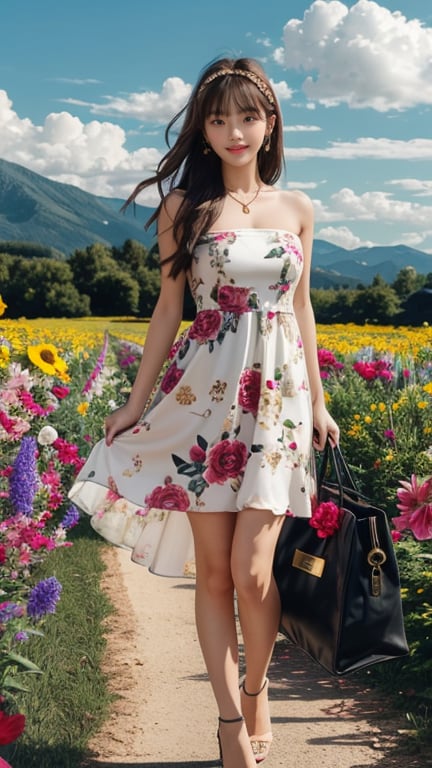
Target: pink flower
(376, 369)
(171, 378)
(60, 392)
(197, 454)
(249, 390)
(233, 299)
(11, 726)
(169, 496)
(396, 536)
(226, 459)
(415, 504)
(326, 518)
(206, 326)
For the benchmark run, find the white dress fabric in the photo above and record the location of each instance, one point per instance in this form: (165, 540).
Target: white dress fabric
(230, 426)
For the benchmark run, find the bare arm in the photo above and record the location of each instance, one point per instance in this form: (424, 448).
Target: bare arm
(323, 423)
(162, 330)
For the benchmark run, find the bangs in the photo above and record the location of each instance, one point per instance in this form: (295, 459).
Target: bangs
(231, 93)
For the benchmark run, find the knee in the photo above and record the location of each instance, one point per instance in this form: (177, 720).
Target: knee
(250, 585)
(215, 579)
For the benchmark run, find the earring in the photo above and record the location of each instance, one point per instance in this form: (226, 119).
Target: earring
(267, 143)
(206, 148)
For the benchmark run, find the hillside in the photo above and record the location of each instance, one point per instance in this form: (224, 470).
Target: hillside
(62, 217)
(35, 209)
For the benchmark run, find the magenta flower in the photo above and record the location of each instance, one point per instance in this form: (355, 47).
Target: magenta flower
(415, 504)
(326, 518)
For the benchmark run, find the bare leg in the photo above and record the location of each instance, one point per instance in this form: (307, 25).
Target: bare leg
(215, 619)
(254, 542)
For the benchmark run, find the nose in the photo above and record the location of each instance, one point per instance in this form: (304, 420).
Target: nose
(235, 133)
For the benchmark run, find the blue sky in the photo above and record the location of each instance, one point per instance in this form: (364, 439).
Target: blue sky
(86, 89)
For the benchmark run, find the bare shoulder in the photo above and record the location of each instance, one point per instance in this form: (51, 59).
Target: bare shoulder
(296, 200)
(169, 208)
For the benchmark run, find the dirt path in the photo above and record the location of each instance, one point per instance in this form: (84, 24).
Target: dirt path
(165, 716)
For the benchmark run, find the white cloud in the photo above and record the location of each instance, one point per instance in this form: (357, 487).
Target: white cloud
(364, 56)
(419, 187)
(90, 155)
(346, 205)
(302, 184)
(379, 149)
(77, 80)
(344, 237)
(282, 90)
(148, 105)
(299, 128)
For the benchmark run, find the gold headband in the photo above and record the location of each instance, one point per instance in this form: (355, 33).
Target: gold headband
(260, 84)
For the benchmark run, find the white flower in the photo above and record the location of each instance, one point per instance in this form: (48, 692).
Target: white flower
(47, 435)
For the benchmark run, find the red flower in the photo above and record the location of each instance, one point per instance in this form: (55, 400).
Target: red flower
(169, 496)
(60, 392)
(197, 454)
(171, 378)
(226, 459)
(326, 518)
(233, 299)
(206, 326)
(11, 726)
(249, 390)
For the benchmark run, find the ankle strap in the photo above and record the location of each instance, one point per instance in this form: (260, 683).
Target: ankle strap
(258, 692)
(232, 720)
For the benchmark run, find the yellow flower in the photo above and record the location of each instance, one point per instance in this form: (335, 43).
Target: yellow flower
(419, 591)
(395, 407)
(327, 398)
(427, 430)
(422, 404)
(390, 456)
(428, 388)
(46, 357)
(356, 417)
(4, 354)
(3, 306)
(368, 419)
(373, 407)
(82, 408)
(381, 407)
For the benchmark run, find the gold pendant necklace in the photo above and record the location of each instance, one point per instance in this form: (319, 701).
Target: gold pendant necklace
(245, 206)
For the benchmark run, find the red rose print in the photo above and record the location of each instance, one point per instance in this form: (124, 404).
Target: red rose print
(171, 378)
(206, 326)
(169, 496)
(249, 390)
(226, 459)
(197, 454)
(233, 299)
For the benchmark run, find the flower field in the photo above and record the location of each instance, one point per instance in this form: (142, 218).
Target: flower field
(58, 380)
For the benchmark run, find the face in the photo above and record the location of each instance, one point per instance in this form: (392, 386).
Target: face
(237, 137)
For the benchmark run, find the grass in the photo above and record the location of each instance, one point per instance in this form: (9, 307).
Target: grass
(67, 704)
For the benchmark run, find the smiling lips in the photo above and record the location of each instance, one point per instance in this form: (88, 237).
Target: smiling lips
(237, 149)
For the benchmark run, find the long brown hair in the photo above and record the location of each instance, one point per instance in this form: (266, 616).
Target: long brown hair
(225, 83)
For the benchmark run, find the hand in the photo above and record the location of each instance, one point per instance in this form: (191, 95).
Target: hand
(118, 421)
(324, 427)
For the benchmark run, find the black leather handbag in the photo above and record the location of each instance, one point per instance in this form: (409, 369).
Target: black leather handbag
(340, 595)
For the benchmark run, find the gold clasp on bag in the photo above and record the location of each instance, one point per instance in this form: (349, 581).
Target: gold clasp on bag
(376, 558)
(308, 563)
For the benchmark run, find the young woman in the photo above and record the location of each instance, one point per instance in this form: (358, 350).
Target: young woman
(222, 450)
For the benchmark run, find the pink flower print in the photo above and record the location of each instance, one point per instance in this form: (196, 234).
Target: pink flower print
(169, 496)
(171, 378)
(197, 454)
(226, 459)
(219, 237)
(206, 326)
(249, 390)
(233, 299)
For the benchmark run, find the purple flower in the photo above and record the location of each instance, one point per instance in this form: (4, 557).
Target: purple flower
(21, 637)
(44, 597)
(24, 478)
(10, 611)
(71, 517)
(390, 435)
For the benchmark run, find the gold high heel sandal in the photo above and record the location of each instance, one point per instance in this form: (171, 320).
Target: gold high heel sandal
(260, 744)
(222, 720)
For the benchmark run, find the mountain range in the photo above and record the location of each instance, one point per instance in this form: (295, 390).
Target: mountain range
(63, 217)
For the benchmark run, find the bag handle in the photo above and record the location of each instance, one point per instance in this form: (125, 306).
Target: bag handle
(333, 457)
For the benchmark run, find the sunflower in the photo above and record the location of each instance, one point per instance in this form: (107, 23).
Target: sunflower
(47, 358)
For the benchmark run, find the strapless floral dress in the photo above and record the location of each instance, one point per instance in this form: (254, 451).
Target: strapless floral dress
(230, 426)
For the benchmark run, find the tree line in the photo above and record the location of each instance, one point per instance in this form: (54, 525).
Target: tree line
(124, 281)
